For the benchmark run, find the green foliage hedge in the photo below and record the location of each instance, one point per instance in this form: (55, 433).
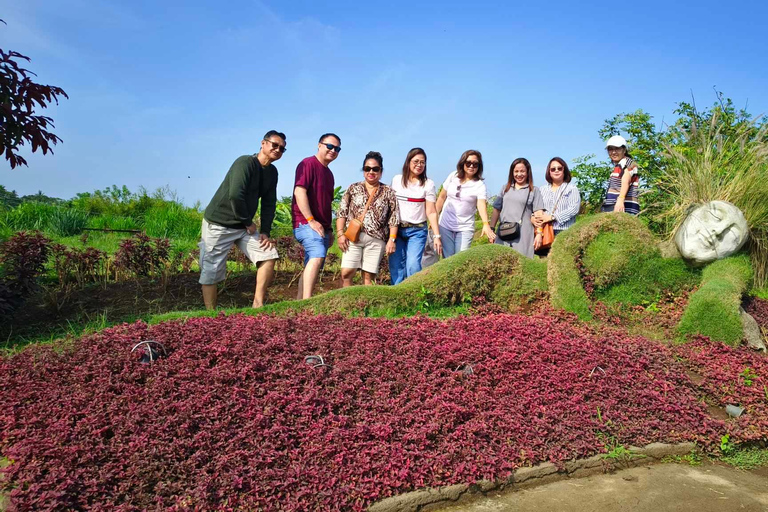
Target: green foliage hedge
(620, 257)
(714, 309)
(622, 242)
(497, 273)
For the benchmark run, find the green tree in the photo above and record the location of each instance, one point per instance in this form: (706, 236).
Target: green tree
(650, 146)
(9, 199)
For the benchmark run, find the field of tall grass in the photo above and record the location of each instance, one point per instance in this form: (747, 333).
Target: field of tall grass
(90, 218)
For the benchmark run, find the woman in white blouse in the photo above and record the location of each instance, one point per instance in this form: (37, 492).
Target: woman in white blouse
(562, 200)
(463, 193)
(416, 197)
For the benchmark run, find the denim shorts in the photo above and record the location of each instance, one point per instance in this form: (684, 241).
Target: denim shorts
(314, 245)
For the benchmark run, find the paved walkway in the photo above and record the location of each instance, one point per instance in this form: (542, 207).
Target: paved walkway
(658, 488)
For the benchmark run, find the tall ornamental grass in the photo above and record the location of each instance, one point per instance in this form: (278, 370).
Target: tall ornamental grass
(28, 217)
(173, 220)
(729, 167)
(67, 221)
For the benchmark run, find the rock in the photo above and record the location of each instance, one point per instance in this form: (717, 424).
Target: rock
(753, 335)
(712, 231)
(540, 471)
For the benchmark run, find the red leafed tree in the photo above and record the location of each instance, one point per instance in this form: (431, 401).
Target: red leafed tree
(19, 97)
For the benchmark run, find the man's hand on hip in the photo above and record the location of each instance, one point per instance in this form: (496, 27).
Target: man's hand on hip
(317, 227)
(251, 229)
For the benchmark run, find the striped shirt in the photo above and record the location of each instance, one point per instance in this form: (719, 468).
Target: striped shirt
(568, 202)
(631, 203)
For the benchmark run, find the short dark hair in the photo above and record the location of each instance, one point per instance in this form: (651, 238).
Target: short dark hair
(511, 178)
(374, 155)
(460, 166)
(275, 132)
(566, 171)
(407, 167)
(323, 136)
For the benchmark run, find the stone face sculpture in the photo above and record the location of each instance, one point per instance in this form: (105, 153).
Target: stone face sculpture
(712, 231)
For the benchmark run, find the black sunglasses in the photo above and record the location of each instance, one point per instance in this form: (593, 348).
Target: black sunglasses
(277, 146)
(372, 169)
(458, 191)
(331, 147)
(472, 164)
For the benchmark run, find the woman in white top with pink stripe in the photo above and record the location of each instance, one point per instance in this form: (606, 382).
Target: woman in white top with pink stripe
(416, 197)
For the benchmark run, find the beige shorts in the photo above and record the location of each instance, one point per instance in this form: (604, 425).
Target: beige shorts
(366, 253)
(215, 245)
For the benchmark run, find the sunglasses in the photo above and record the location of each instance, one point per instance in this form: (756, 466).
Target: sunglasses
(472, 165)
(277, 146)
(376, 169)
(458, 191)
(556, 168)
(331, 147)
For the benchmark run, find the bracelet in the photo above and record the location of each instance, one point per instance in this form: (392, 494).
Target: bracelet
(486, 223)
(436, 235)
(310, 219)
(393, 237)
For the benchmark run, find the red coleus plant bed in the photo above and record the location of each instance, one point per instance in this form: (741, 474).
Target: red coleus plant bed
(758, 308)
(234, 418)
(736, 376)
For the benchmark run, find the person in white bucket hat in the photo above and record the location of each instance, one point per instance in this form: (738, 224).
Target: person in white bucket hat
(623, 190)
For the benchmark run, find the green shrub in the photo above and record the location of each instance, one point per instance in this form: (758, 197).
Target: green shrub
(650, 280)
(497, 273)
(67, 221)
(714, 309)
(566, 291)
(615, 255)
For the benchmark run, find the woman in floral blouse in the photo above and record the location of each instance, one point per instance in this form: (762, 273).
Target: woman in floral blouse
(380, 222)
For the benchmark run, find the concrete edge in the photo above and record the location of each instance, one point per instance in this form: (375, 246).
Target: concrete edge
(527, 477)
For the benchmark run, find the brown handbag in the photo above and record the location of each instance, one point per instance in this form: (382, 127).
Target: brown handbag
(548, 229)
(356, 225)
(547, 235)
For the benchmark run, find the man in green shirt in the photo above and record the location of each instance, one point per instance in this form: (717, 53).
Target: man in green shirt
(228, 220)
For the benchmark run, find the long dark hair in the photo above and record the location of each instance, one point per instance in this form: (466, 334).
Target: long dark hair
(566, 170)
(464, 156)
(511, 178)
(407, 167)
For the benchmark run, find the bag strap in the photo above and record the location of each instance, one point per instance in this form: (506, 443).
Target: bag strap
(525, 206)
(370, 199)
(559, 197)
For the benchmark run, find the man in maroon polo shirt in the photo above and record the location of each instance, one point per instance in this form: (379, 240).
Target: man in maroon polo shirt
(312, 211)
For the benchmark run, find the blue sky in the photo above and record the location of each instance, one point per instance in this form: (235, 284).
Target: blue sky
(171, 92)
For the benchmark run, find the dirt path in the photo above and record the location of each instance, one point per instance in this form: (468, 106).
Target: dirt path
(658, 488)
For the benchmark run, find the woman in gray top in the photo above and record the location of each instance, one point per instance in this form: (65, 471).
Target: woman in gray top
(517, 202)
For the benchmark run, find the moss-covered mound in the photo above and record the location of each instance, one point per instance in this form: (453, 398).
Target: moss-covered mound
(497, 273)
(618, 258)
(714, 309)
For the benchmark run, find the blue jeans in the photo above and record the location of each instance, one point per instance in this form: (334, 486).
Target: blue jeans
(409, 246)
(454, 241)
(315, 246)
